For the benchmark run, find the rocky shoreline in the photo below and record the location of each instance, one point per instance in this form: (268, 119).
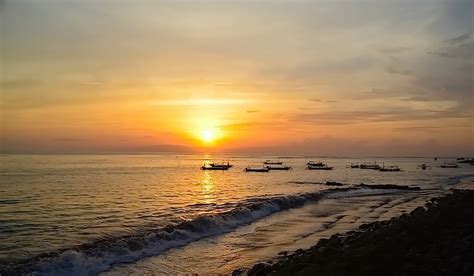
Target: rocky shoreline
(435, 240)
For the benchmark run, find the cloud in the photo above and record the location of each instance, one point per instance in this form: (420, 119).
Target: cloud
(203, 102)
(411, 128)
(416, 99)
(396, 115)
(19, 83)
(394, 50)
(394, 70)
(363, 147)
(459, 39)
(69, 140)
(459, 47)
(323, 101)
(461, 51)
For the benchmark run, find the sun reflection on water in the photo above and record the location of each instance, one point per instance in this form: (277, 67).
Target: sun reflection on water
(207, 188)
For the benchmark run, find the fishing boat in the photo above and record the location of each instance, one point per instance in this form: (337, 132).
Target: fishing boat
(369, 166)
(449, 166)
(323, 168)
(389, 169)
(273, 162)
(279, 167)
(315, 164)
(214, 168)
(354, 166)
(424, 167)
(254, 169)
(223, 164)
(466, 160)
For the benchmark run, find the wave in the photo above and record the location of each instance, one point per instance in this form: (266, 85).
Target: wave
(99, 256)
(327, 183)
(457, 179)
(361, 185)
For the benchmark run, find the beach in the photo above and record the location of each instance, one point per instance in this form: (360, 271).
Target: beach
(437, 239)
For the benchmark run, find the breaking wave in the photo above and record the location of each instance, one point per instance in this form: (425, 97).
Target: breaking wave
(101, 255)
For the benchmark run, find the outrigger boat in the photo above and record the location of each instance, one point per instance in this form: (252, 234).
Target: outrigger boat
(272, 162)
(354, 166)
(389, 169)
(466, 161)
(315, 164)
(279, 167)
(221, 164)
(369, 166)
(324, 167)
(253, 169)
(214, 168)
(449, 166)
(217, 166)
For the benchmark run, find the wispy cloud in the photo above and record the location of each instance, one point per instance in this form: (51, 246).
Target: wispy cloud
(459, 39)
(203, 102)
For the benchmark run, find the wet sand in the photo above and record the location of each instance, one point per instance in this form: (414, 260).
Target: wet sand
(435, 240)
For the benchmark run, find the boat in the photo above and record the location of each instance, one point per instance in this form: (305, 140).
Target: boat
(466, 161)
(449, 166)
(279, 167)
(424, 167)
(324, 168)
(315, 164)
(223, 164)
(273, 162)
(389, 169)
(253, 169)
(214, 168)
(354, 166)
(369, 166)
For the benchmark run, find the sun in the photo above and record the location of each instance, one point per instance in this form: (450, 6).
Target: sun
(208, 136)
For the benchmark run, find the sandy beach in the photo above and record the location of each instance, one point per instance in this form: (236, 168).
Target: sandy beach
(437, 239)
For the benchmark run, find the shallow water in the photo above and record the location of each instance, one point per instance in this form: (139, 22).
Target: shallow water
(97, 212)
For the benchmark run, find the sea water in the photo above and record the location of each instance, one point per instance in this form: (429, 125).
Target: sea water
(126, 214)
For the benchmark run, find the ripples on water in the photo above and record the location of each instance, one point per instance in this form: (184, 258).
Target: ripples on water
(51, 203)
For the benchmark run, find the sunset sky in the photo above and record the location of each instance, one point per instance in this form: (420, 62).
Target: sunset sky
(277, 77)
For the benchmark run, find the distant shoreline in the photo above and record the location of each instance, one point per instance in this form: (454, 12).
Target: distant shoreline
(438, 240)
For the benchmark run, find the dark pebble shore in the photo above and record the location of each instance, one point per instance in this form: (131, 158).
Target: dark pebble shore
(436, 240)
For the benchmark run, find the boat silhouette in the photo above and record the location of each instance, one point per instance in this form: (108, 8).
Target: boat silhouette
(255, 169)
(279, 167)
(272, 162)
(324, 167)
(449, 166)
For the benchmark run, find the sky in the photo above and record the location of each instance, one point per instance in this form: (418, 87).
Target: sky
(277, 77)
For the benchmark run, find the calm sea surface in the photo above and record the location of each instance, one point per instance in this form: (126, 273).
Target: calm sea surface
(132, 213)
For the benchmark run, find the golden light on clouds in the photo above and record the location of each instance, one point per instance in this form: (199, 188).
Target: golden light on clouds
(290, 75)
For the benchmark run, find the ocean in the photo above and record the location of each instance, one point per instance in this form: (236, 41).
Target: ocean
(161, 214)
